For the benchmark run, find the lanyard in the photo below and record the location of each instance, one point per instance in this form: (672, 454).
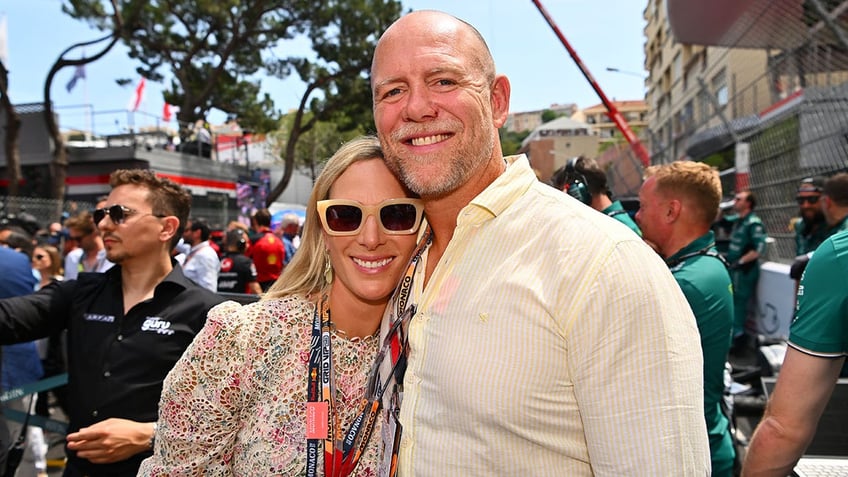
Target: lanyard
(704, 251)
(341, 452)
(397, 341)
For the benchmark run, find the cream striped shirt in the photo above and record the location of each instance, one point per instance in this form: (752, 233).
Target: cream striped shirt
(550, 341)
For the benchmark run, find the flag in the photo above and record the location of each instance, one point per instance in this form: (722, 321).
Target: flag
(166, 112)
(135, 101)
(4, 50)
(79, 73)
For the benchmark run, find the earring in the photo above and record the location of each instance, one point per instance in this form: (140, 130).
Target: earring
(328, 268)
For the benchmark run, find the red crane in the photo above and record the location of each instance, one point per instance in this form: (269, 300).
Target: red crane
(612, 111)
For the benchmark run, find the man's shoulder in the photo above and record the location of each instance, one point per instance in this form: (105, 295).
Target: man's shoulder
(834, 247)
(544, 214)
(753, 219)
(199, 295)
(703, 271)
(208, 252)
(17, 278)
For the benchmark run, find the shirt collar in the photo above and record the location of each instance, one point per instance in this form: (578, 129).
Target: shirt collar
(504, 190)
(702, 242)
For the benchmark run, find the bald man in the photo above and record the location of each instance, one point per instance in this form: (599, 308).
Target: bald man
(543, 338)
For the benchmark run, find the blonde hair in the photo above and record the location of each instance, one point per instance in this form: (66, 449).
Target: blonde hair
(304, 275)
(695, 181)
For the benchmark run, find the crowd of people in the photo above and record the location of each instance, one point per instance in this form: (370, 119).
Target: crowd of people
(445, 312)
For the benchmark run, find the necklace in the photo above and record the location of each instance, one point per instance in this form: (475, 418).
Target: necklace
(353, 339)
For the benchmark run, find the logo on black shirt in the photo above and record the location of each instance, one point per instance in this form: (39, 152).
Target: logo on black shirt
(100, 318)
(157, 325)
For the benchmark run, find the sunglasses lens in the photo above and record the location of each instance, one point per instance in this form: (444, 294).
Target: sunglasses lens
(343, 218)
(397, 217)
(39, 256)
(117, 214)
(811, 200)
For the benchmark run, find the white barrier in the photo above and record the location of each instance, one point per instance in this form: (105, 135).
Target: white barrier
(775, 300)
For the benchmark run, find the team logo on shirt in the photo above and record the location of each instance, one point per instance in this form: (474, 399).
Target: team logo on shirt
(157, 325)
(99, 318)
(226, 264)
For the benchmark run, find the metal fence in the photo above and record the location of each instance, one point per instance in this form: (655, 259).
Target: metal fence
(789, 105)
(41, 212)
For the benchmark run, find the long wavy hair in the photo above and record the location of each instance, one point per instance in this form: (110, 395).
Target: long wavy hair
(304, 275)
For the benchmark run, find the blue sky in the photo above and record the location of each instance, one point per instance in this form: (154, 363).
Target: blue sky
(605, 33)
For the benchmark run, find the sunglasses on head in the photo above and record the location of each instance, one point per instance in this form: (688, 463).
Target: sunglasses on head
(346, 217)
(810, 199)
(118, 214)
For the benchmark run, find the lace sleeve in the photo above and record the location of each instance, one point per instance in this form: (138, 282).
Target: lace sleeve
(202, 398)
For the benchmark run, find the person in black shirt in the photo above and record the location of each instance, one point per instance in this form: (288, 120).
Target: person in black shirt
(237, 274)
(127, 327)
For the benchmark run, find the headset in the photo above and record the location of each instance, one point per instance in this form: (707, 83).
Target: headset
(576, 186)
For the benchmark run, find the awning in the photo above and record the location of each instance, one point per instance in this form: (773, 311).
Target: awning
(775, 24)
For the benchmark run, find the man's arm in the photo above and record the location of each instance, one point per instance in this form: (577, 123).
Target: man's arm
(30, 317)
(112, 440)
(638, 370)
(254, 288)
(803, 389)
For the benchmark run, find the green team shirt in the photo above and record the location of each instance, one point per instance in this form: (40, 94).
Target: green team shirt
(809, 236)
(840, 226)
(820, 327)
(616, 211)
(748, 233)
(706, 284)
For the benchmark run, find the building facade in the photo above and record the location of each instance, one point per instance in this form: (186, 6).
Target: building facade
(530, 120)
(696, 87)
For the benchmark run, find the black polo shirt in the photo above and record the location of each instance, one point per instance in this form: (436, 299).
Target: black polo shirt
(237, 270)
(116, 362)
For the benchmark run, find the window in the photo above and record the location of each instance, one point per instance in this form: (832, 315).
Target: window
(678, 67)
(719, 87)
(705, 105)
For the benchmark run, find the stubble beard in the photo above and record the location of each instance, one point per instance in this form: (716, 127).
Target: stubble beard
(412, 169)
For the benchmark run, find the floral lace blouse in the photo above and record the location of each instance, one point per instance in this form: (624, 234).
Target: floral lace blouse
(235, 403)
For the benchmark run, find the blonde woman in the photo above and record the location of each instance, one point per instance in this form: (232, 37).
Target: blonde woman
(270, 388)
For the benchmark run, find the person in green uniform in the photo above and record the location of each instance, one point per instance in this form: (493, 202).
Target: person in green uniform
(747, 245)
(818, 344)
(582, 178)
(678, 203)
(835, 203)
(810, 227)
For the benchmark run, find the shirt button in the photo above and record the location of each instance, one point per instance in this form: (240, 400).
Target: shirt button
(120, 337)
(107, 374)
(94, 413)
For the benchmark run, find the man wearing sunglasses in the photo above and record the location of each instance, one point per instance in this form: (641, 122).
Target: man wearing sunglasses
(126, 327)
(548, 339)
(810, 226)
